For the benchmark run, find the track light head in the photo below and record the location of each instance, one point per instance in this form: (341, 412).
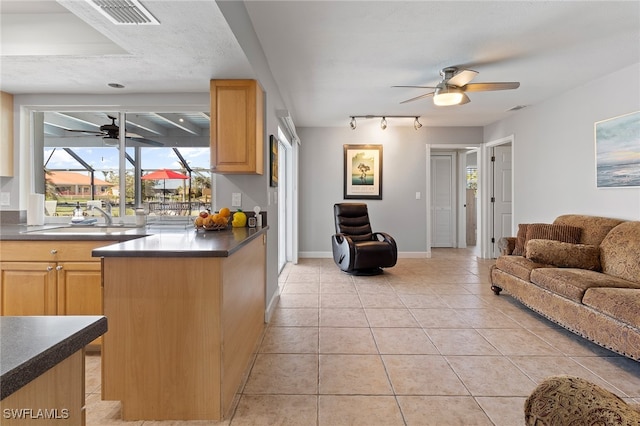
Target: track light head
(353, 123)
(383, 123)
(416, 124)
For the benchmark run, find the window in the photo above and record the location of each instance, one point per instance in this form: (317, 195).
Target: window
(82, 162)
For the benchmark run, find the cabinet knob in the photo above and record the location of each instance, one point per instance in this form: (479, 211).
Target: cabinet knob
(49, 268)
(53, 251)
(58, 268)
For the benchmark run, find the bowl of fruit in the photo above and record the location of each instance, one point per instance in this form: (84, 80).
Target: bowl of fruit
(208, 221)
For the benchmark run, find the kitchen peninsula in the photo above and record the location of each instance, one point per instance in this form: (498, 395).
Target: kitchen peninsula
(186, 312)
(42, 368)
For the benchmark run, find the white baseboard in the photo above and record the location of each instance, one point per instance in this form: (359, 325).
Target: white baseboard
(271, 306)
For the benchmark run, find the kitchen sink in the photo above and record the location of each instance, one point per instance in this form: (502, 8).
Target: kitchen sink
(79, 230)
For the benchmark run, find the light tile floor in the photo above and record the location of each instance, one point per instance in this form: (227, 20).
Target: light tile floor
(427, 343)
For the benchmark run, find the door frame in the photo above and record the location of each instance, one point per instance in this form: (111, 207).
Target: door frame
(460, 198)
(485, 202)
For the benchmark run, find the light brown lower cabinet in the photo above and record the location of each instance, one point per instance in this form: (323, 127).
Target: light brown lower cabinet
(51, 278)
(54, 398)
(182, 331)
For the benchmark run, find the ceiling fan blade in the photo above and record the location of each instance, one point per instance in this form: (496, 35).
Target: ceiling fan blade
(485, 87)
(93, 132)
(461, 78)
(426, 95)
(418, 87)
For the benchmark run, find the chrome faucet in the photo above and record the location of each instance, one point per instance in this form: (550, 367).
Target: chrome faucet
(107, 217)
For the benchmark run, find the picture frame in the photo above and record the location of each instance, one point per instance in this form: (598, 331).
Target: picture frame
(362, 172)
(273, 161)
(617, 148)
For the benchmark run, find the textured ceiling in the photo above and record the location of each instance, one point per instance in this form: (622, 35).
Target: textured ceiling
(329, 59)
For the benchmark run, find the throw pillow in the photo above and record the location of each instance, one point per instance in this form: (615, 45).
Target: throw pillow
(521, 239)
(564, 255)
(547, 231)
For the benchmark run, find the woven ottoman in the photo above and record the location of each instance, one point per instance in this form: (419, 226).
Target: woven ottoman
(572, 401)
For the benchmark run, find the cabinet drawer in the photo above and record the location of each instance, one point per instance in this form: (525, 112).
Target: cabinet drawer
(50, 251)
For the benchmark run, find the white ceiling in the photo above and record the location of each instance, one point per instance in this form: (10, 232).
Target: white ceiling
(329, 59)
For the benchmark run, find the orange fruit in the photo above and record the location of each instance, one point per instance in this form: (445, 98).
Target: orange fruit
(199, 221)
(225, 212)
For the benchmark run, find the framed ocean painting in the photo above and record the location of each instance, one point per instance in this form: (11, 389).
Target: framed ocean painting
(363, 172)
(618, 151)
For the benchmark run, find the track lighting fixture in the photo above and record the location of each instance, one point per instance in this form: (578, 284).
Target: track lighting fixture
(383, 120)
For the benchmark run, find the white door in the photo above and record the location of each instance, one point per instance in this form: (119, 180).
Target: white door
(502, 194)
(442, 201)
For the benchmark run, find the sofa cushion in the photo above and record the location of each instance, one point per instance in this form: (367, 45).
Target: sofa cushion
(518, 266)
(594, 228)
(564, 255)
(572, 283)
(620, 303)
(521, 240)
(620, 252)
(546, 231)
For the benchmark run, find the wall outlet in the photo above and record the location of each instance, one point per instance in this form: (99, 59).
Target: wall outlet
(5, 198)
(236, 199)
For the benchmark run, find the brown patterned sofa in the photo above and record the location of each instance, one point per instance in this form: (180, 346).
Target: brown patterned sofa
(582, 272)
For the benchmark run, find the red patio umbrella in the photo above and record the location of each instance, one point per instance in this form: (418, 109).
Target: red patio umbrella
(164, 174)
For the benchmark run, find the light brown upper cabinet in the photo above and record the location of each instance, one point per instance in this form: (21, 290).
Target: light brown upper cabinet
(237, 121)
(6, 135)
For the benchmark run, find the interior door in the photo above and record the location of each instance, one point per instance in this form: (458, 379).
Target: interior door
(502, 194)
(442, 201)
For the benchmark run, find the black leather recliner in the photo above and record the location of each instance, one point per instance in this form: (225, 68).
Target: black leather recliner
(356, 249)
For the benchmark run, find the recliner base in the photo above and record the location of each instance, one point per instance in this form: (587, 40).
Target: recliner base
(365, 272)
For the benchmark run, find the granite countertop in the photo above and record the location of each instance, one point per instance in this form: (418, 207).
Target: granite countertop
(43, 233)
(32, 345)
(185, 243)
(150, 241)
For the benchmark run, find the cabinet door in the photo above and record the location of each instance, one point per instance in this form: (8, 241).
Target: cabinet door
(27, 288)
(80, 291)
(237, 135)
(79, 288)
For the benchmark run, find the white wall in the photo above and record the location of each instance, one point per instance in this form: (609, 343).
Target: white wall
(403, 174)
(554, 151)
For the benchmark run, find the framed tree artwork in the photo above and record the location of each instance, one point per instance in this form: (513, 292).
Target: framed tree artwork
(363, 172)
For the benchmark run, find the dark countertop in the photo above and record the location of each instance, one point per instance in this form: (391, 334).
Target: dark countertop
(32, 345)
(184, 243)
(150, 241)
(40, 233)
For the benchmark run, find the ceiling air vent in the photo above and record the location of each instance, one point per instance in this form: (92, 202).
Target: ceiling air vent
(124, 12)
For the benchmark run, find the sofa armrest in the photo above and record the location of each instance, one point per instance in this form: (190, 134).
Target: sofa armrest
(506, 245)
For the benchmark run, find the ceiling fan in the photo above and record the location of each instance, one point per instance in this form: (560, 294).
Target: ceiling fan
(111, 132)
(455, 82)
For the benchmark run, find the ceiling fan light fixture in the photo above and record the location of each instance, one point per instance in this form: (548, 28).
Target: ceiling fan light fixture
(353, 124)
(416, 124)
(447, 96)
(383, 123)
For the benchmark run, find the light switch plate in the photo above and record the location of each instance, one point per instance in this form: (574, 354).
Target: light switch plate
(5, 198)
(236, 199)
